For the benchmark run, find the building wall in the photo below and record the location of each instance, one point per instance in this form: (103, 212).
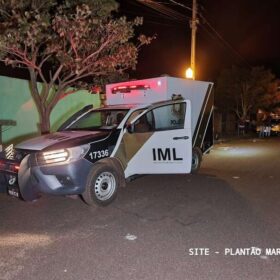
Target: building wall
(17, 104)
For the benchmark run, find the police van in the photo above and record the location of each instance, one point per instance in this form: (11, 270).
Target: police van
(154, 126)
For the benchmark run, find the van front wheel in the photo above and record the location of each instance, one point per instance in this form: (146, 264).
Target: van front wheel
(102, 185)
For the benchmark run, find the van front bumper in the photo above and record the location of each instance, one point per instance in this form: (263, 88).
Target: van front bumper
(56, 179)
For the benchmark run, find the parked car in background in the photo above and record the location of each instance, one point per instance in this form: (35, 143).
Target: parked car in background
(273, 126)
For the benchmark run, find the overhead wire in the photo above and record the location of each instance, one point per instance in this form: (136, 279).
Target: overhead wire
(180, 4)
(216, 33)
(140, 4)
(204, 23)
(157, 14)
(153, 20)
(162, 9)
(162, 23)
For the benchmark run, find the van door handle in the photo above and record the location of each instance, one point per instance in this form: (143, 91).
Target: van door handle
(181, 138)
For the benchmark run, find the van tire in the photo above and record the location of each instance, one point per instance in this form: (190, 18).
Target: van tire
(196, 159)
(102, 185)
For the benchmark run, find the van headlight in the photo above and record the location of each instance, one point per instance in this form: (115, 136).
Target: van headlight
(62, 155)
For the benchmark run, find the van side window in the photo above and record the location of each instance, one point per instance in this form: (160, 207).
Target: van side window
(166, 117)
(170, 116)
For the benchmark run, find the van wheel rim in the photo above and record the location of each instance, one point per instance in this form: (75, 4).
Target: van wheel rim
(105, 186)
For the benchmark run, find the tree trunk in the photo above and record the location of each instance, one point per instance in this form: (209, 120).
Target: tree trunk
(45, 125)
(43, 110)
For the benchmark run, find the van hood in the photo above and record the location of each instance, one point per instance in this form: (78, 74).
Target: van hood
(62, 140)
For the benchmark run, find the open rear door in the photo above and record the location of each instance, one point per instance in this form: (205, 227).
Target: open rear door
(160, 141)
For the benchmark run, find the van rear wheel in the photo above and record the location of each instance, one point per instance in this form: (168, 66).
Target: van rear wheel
(102, 185)
(196, 159)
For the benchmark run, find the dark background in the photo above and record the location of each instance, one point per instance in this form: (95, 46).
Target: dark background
(244, 33)
(239, 32)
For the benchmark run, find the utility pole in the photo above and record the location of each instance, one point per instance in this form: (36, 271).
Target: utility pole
(193, 24)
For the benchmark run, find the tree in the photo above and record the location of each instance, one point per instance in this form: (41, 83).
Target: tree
(271, 101)
(243, 90)
(64, 43)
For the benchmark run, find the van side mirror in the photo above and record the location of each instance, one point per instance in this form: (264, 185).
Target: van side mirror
(130, 128)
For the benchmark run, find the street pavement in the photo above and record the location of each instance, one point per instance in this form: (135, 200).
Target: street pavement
(221, 223)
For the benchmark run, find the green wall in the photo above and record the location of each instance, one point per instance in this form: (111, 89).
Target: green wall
(16, 104)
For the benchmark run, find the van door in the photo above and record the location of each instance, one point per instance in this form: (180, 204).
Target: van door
(159, 141)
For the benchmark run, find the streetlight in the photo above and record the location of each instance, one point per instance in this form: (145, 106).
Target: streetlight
(189, 73)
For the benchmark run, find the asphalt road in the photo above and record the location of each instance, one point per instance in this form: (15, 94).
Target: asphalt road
(231, 207)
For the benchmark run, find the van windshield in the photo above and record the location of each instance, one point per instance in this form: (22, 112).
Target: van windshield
(98, 119)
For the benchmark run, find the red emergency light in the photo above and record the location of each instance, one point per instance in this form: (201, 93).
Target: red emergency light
(129, 88)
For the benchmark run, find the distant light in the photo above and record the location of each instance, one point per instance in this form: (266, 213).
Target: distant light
(159, 83)
(189, 73)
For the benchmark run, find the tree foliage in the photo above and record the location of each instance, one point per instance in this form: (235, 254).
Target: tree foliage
(63, 43)
(244, 90)
(271, 101)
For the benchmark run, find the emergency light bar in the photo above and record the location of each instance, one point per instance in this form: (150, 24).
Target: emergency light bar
(127, 89)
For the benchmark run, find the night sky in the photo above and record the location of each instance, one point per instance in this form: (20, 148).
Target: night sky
(250, 30)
